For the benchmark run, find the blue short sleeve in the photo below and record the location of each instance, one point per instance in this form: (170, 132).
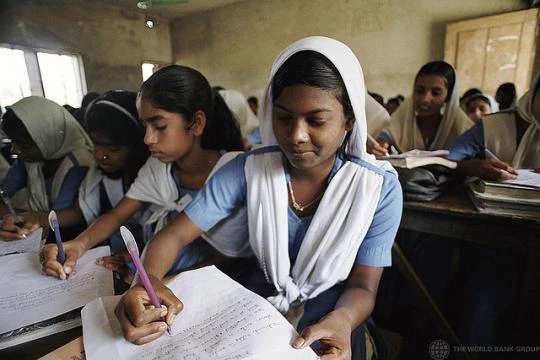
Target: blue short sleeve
(376, 249)
(220, 196)
(70, 188)
(469, 145)
(15, 178)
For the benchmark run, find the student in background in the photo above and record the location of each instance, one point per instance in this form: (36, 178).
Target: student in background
(506, 96)
(253, 104)
(119, 148)
(431, 118)
(86, 100)
(477, 105)
(393, 103)
(187, 127)
(55, 154)
(246, 119)
(322, 272)
(512, 136)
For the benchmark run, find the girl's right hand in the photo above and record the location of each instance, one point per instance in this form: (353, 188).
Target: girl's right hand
(378, 149)
(494, 170)
(48, 256)
(141, 322)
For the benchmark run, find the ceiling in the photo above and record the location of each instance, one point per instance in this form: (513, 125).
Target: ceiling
(173, 11)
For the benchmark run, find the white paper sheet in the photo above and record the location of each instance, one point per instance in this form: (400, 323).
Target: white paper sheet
(526, 177)
(32, 243)
(28, 296)
(221, 320)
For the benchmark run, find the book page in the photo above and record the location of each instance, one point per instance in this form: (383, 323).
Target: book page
(28, 296)
(526, 177)
(418, 153)
(221, 320)
(32, 243)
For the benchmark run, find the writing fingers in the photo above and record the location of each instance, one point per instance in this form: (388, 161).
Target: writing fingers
(139, 334)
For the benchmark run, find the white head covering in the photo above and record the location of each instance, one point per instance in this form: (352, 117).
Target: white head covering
(528, 151)
(239, 106)
(57, 134)
(344, 214)
(407, 135)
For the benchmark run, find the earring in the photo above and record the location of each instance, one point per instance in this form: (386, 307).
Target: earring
(105, 157)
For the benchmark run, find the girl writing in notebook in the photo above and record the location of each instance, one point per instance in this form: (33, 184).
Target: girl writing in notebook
(187, 125)
(54, 154)
(322, 213)
(502, 142)
(431, 118)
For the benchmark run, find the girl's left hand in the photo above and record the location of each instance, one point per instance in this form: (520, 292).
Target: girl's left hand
(333, 333)
(11, 231)
(118, 263)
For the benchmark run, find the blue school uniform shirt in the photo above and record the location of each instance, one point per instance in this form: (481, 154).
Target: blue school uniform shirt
(16, 179)
(227, 190)
(469, 145)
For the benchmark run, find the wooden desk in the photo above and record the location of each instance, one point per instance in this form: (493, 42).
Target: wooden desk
(453, 216)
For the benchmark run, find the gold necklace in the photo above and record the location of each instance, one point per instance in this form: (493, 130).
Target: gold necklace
(296, 205)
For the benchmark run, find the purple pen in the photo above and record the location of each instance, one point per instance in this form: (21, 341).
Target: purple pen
(53, 222)
(131, 246)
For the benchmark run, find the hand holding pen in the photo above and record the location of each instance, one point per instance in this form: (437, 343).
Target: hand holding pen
(7, 201)
(131, 246)
(504, 170)
(373, 147)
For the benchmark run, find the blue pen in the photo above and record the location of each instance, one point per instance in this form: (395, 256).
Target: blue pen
(53, 222)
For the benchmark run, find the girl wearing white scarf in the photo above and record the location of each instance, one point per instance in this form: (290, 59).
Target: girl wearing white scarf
(52, 146)
(513, 136)
(186, 127)
(238, 104)
(426, 120)
(346, 195)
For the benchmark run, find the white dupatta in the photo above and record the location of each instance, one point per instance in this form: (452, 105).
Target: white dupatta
(57, 134)
(155, 185)
(528, 152)
(344, 214)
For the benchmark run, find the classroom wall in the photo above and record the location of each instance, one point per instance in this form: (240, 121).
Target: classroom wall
(113, 42)
(234, 46)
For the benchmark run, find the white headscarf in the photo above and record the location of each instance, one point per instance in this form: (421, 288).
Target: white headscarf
(344, 214)
(407, 135)
(528, 152)
(239, 106)
(57, 134)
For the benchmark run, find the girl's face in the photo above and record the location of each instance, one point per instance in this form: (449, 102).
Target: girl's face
(111, 158)
(309, 125)
(430, 92)
(27, 150)
(166, 135)
(477, 108)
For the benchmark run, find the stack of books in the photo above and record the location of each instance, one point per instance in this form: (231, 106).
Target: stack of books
(520, 197)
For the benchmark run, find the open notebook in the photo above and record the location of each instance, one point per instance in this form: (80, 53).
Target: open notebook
(221, 320)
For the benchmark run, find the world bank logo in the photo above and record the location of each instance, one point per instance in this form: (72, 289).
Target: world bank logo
(439, 349)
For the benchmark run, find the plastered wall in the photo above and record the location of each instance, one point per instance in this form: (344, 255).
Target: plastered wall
(113, 42)
(234, 46)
